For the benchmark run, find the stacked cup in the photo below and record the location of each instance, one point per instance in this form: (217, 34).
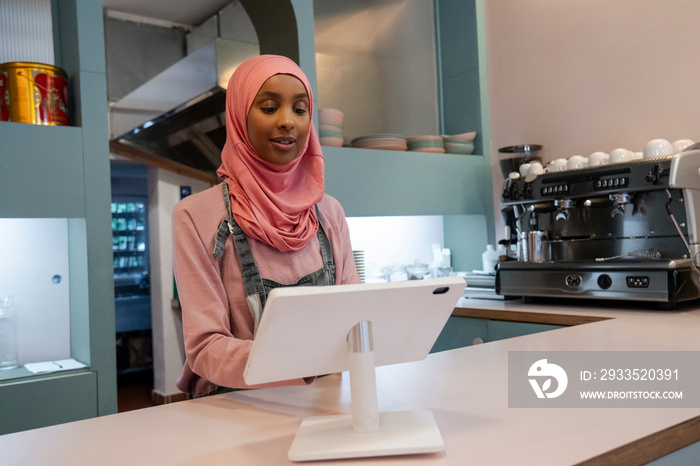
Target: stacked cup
(427, 143)
(330, 130)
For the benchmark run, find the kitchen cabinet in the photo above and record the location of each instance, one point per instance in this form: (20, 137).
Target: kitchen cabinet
(63, 172)
(460, 332)
(463, 331)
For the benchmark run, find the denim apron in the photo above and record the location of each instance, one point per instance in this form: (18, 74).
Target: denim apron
(257, 288)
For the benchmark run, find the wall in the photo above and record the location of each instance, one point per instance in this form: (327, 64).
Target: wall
(458, 69)
(35, 273)
(158, 48)
(168, 346)
(590, 75)
(376, 61)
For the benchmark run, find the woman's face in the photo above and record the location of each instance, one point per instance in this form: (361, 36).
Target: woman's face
(279, 119)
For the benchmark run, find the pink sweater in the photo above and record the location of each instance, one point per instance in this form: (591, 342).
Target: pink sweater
(217, 325)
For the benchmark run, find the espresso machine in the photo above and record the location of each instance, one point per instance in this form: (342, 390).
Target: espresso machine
(622, 231)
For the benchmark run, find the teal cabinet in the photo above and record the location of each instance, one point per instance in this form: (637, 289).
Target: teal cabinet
(463, 331)
(500, 330)
(35, 402)
(63, 172)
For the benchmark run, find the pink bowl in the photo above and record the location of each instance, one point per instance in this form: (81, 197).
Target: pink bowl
(465, 136)
(433, 150)
(330, 116)
(327, 127)
(333, 142)
(425, 138)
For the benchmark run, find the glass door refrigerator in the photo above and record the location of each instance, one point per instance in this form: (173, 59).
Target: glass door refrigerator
(131, 283)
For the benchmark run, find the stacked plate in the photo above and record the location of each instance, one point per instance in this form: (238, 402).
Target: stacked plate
(383, 141)
(359, 257)
(330, 130)
(460, 143)
(426, 144)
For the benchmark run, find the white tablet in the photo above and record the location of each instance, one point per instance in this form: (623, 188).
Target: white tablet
(303, 330)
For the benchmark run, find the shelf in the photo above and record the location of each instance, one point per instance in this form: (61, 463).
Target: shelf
(405, 183)
(21, 372)
(63, 172)
(35, 152)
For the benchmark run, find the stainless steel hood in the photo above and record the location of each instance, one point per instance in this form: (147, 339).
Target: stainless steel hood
(180, 114)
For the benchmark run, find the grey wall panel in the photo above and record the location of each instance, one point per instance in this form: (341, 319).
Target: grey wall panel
(137, 52)
(376, 61)
(26, 31)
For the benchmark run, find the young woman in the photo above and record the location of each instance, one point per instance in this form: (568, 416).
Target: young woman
(268, 224)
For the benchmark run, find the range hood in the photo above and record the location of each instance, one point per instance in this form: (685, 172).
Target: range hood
(180, 114)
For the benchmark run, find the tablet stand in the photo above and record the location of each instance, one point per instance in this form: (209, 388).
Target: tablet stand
(366, 432)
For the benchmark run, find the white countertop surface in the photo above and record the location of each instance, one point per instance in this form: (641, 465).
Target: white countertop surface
(466, 389)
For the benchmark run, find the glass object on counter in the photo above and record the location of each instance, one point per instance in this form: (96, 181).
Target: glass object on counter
(8, 334)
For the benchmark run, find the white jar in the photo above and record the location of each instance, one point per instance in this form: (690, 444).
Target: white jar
(490, 259)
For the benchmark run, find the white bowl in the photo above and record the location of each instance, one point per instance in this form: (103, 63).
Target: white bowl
(619, 155)
(598, 158)
(657, 148)
(680, 145)
(524, 169)
(557, 165)
(575, 162)
(535, 168)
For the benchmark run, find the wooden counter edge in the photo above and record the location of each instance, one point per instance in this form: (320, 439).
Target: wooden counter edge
(651, 447)
(525, 316)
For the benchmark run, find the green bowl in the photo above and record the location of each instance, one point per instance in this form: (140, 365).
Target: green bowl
(424, 143)
(379, 136)
(459, 148)
(327, 133)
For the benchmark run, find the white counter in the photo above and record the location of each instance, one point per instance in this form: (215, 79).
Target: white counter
(465, 388)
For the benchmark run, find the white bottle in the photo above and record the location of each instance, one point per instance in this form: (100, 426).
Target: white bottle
(8, 334)
(490, 259)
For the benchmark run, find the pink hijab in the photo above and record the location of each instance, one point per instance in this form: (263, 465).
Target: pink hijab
(271, 203)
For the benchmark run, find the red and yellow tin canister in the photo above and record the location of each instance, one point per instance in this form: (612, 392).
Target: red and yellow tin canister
(34, 93)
